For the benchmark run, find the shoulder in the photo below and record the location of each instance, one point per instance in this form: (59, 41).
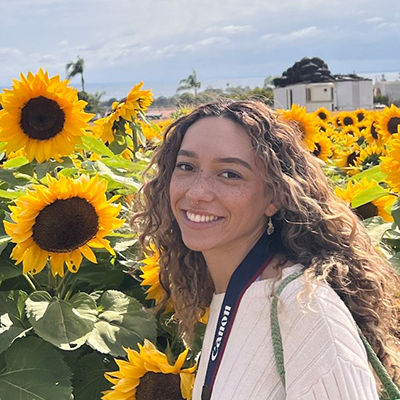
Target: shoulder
(312, 313)
(324, 356)
(319, 334)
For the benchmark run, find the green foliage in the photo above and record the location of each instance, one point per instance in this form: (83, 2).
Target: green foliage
(88, 379)
(32, 369)
(65, 324)
(368, 195)
(94, 103)
(376, 228)
(381, 100)
(13, 323)
(121, 322)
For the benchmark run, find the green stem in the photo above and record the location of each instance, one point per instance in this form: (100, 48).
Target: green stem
(68, 294)
(52, 283)
(31, 284)
(34, 280)
(62, 287)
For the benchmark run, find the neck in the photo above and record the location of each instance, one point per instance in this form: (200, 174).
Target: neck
(222, 263)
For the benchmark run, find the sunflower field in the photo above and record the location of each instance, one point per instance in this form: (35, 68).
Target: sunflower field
(76, 290)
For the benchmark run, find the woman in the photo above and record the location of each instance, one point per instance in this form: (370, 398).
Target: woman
(232, 178)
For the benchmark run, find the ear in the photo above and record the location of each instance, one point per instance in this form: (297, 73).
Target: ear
(270, 210)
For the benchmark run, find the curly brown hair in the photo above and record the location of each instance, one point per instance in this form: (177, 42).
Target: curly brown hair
(312, 227)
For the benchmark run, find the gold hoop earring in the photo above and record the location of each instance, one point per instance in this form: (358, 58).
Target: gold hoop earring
(271, 228)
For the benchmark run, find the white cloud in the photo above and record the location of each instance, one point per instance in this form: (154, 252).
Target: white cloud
(374, 20)
(174, 49)
(6, 51)
(230, 29)
(63, 42)
(310, 31)
(213, 40)
(388, 27)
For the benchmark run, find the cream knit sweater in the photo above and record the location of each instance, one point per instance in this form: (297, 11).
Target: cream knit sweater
(324, 356)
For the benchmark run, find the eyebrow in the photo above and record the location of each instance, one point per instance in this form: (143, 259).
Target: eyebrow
(226, 160)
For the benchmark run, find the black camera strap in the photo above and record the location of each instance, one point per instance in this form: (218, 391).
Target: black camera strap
(245, 274)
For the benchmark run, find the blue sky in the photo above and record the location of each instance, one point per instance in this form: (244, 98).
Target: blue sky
(162, 41)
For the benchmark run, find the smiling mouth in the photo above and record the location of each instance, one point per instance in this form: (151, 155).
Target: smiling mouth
(201, 218)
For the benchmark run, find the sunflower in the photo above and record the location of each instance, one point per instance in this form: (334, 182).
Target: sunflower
(390, 164)
(389, 121)
(128, 109)
(62, 222)
(148, 375)
(323, 114)
(372, 133)
(347, 159)
(360, 115)
(374, 208)
(370, 156)
(149, 132)
(347, 118)
(151, 277)
(42, 116)
(305, 122)
(323, 147)
(337, 121)
(164, 124)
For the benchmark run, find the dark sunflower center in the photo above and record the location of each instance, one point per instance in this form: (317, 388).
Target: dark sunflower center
(360, 116)
(347, 121)
(393, 125)
(351, 159)
(374, 133)
(318, 149)
(65, 225)
(367, 211)
(322, 115)
(157, 386)
(322, 129)
(42, 118)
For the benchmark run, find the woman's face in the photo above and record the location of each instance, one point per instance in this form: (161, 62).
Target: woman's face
(217, 194)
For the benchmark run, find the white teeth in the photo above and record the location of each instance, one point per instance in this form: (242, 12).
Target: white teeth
(201, 218)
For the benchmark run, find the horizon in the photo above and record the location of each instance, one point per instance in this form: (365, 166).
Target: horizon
(167, 88)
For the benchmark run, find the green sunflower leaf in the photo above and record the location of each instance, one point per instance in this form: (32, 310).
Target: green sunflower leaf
(395, 260)
(373, 174)
(34, 370)
(91, 143)
(119, 180)
(8, 269)
(10, 194)
(396, 212)
(66, 324)
(15, 162)
(376, 227)
(368, 195)
(122, 322)
(88, 376)
(8, 176)
(13, 324)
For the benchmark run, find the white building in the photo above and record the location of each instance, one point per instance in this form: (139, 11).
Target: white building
(389, 89)
(334, 96)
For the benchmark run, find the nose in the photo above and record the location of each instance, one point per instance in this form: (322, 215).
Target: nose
(201, 189)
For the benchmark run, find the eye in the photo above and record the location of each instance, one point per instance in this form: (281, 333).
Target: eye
(231, 175)
(184, 166)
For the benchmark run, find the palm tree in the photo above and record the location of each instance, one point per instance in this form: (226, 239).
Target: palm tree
(75, 68)
(190, 83)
